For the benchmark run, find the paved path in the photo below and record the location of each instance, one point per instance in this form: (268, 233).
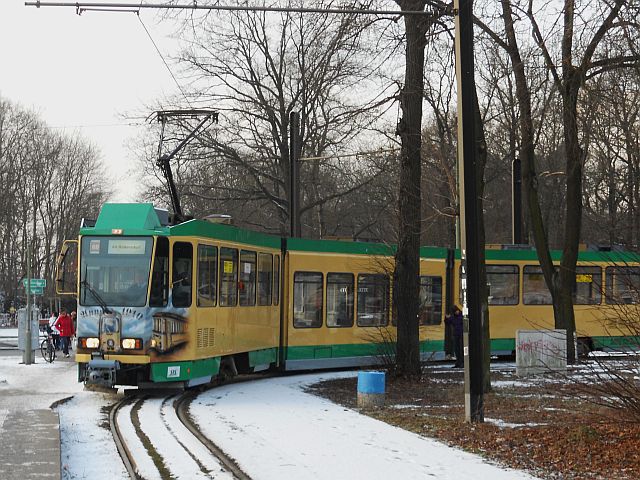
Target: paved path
(30, 445)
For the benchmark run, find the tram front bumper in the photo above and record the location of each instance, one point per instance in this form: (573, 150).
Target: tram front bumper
(102, 372)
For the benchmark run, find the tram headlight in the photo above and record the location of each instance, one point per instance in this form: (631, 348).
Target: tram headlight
(131, 343)
(89, 342)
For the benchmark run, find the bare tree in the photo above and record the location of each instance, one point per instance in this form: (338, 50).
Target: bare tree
(256, 69)
(51, 181)
(578, 60)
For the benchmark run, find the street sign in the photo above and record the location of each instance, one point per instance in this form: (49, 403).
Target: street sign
(37, 291)
(35, 282)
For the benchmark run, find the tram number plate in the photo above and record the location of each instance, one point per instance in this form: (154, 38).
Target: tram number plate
(173, 372)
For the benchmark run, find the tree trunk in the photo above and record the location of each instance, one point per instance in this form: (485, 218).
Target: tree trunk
(481, 157)
(530, 183)
(407, 271)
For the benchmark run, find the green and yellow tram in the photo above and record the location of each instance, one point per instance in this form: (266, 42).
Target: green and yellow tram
(182, 305)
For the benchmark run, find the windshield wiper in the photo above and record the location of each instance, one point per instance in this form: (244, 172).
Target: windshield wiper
(97, 297)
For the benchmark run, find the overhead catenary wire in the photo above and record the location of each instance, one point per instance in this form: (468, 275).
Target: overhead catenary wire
(99, 125)
(80, 6)
(349, 155)
(163, 59)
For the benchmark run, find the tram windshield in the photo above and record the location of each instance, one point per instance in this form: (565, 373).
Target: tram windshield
(117, 269)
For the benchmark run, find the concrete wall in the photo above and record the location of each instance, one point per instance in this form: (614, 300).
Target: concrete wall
(540, 351)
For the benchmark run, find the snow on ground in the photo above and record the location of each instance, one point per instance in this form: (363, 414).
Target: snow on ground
(271, 426)
(87, 448)
(275, 430)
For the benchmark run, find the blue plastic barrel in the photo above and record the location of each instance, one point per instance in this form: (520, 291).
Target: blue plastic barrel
(371, 382)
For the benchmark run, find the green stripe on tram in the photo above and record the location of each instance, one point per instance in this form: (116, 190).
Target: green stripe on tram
(356, 248)
(262, 357)
(181, 371)
(617, 343)
(229, 233)
(556, 255)
(354, 350)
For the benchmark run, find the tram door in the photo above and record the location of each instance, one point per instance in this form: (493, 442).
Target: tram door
(209, 338)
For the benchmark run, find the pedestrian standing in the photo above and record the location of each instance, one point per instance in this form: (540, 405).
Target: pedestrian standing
(64, 324)
(55, 334)
(455, 320)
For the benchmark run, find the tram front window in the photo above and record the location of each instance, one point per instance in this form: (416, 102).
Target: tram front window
(117, 269)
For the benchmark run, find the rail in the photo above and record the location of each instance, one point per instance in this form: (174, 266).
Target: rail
(181, 406)
(121, 445)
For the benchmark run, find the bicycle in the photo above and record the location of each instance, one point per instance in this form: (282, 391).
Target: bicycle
(47, 348)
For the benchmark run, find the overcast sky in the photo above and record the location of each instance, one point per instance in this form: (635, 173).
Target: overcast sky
(83, 72)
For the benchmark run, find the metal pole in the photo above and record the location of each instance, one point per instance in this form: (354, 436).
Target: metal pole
(516, 201)
(294, 174)
(27, 356)
(469, 214)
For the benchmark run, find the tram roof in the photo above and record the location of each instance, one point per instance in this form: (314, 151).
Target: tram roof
(556, 255)
(357, 248)
(143, 219)
(129, 218)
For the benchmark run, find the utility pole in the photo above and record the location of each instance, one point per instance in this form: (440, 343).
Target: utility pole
(469, 214)
(294, 175)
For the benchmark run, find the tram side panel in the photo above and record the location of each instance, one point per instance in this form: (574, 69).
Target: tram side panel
(520, 299)
(338, 311)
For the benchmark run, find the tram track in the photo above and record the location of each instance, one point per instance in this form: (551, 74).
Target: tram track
(121, 445)
(181, 407)
(157, 439)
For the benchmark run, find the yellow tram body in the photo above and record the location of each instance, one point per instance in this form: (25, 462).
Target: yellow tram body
(186, 303)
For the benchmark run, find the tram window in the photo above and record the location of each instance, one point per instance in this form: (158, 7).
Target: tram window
(276, 280)
(307, 300)
(265, 273)
(207, 270)
(588, 288)
(228, 277)
(247, 283)
(116, 269)
(373, 300)
(503, 284)
(534, 288)
(340, 299)
(430, 296)
(160, 275)
(623, 285)
(182, 279)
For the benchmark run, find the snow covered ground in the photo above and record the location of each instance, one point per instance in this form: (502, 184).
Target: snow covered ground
(270, 426)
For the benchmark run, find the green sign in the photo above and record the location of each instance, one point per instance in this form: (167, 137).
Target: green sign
(35, 282)
(37, 291)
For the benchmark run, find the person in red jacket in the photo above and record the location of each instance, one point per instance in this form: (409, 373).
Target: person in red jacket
(64, 324)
